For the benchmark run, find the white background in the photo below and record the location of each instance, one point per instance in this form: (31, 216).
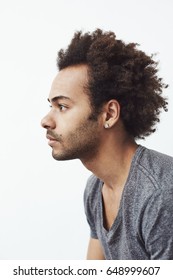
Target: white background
(41, 200)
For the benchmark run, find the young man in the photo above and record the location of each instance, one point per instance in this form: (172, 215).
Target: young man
(105, 96)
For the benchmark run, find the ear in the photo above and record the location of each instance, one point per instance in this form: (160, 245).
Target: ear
(111, 113)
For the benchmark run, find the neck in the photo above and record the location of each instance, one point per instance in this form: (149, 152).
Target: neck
(112, 162)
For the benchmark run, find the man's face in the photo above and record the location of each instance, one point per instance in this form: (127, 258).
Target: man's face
(71, 130)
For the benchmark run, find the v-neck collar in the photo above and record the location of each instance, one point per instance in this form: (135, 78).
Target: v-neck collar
(118, 218)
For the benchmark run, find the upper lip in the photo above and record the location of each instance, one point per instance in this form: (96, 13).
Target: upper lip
(50, 137)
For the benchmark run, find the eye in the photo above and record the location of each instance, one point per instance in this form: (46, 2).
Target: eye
(62, 107)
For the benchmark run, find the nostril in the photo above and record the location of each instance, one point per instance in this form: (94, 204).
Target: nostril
(43, 123)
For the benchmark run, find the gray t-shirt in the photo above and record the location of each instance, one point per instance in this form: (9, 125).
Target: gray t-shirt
(143, 228)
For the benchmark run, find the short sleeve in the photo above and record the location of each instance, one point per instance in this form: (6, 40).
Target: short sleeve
(158, 225)
(90, 204)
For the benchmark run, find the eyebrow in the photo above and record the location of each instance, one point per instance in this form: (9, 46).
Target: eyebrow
(54, 99)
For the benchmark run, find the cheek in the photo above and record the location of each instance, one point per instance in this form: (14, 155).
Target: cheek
(72, 119)
(68, 122)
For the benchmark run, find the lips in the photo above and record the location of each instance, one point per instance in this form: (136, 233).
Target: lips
(50, 138)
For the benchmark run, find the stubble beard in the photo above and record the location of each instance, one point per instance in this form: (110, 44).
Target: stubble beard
(80, 144)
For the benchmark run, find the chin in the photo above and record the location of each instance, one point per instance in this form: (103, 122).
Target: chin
(60, 157)
(57, 156)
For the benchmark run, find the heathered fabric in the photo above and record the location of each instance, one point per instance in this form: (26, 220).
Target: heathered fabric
(143, 228)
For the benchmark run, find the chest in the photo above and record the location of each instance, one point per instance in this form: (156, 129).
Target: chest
(111, 204)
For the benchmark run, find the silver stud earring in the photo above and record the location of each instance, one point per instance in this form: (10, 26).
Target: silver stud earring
(106, 125)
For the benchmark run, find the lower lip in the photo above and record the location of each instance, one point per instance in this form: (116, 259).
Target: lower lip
(52, 142)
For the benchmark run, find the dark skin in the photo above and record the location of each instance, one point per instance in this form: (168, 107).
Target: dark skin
(97, 143)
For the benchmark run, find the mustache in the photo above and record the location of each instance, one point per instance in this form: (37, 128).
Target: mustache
(57, 137)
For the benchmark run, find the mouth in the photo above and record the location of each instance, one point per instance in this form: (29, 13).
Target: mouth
(51, 140)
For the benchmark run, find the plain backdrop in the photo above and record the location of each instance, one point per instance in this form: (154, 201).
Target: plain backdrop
(41, 200)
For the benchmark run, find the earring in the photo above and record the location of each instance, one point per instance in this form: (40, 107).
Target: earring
(106, 125)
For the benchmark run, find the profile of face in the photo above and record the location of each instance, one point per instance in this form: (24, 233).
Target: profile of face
(70, 128)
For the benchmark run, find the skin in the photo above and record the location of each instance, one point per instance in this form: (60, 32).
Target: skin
(73, 133)
(69, 121)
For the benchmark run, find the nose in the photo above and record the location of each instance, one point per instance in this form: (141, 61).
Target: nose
(48, 122)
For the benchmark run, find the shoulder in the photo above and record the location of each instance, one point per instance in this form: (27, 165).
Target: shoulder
(91, 201)
(155, 159)
(92, 189)
(157, 168)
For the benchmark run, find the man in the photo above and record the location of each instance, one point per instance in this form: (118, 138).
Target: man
(105, 96)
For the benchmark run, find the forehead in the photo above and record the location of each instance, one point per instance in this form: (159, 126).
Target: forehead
(70, 82)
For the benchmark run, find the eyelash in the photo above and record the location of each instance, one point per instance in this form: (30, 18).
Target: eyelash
(60, 106)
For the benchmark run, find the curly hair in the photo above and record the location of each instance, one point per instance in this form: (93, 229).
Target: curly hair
(119, 71)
